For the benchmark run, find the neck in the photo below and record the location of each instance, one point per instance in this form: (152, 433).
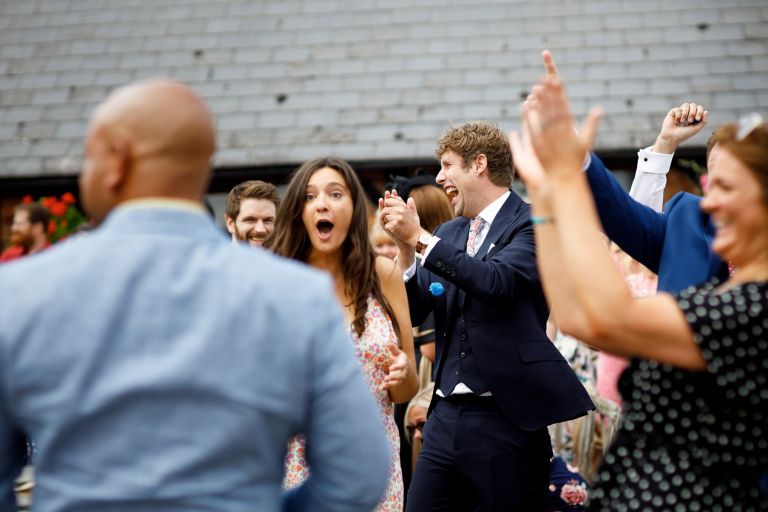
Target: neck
(38, 245)
(755, 271)
(331, 263)
(487, 196)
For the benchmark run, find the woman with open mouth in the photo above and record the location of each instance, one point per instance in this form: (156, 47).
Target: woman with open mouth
(322, 221)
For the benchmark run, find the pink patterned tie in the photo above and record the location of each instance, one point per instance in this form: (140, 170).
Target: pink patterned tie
(475, 225)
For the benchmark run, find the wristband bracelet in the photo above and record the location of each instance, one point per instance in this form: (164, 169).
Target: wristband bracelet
(542, 219)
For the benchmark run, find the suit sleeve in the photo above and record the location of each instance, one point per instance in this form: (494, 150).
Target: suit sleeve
(501, 276)
(636, 228)
(419, 299)
(347, 449)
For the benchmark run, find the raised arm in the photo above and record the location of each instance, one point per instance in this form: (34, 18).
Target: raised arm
(602, 313)
(499, 276)
(653, 163)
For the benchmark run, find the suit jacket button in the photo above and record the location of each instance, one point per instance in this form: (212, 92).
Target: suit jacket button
(463, 354)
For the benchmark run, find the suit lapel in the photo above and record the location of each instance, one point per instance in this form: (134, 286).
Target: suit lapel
(500, 223)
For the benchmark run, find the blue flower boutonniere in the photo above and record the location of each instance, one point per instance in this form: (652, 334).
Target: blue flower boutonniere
(436, 289)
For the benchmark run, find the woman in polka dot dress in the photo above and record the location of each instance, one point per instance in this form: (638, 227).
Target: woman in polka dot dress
(323, 221)
(695, 430)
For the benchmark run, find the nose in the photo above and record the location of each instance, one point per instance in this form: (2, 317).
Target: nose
(440, 179)
(708, 202)
(260, 227)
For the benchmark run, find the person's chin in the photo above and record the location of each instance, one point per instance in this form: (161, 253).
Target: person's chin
(256, 243)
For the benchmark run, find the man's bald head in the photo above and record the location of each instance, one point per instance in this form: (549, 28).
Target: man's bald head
(150, 139)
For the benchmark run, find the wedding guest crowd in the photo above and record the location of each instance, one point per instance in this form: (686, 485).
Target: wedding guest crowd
(176, 369)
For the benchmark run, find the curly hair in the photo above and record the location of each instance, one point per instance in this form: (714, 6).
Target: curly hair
(480, 138)
(290, 238)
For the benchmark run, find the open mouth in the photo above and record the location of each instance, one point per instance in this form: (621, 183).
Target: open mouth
(451, 192)
(324, 228)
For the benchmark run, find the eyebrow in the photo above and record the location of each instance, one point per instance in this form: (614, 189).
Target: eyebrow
(329, 184)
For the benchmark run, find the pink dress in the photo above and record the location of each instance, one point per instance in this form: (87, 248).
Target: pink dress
(609, 366)
(372, 353)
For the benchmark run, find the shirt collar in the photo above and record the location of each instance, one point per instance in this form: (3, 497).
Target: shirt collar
(164, 203)
(489, 212)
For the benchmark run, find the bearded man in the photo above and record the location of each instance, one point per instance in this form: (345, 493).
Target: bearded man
(28, 231)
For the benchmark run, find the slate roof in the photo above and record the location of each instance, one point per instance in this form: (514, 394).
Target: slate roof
(368, 79)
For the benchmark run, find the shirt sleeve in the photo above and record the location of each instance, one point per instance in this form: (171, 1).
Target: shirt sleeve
(650, 178)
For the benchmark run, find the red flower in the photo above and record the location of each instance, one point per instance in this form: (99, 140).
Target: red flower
(58, 208)
(68, 198)
(47, 201)
(27, 199)
(51, 227)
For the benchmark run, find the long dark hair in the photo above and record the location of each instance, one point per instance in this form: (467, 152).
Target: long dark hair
(290, 238)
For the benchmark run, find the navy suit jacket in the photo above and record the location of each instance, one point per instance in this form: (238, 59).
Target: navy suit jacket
(505, 314)
(675, 244)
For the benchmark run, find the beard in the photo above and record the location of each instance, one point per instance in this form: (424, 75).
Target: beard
(253, 239)
(21, 239)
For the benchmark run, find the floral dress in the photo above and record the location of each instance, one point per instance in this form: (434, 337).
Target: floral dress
(372, 353)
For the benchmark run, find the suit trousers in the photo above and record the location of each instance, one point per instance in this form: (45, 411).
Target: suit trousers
(475, 459)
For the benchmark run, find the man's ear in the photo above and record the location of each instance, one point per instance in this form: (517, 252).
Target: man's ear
(120, 164)
(230, 224)
(481, 164)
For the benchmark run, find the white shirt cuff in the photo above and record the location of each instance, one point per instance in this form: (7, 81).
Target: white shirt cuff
(587, 161)
(652, 162)
(411, 271)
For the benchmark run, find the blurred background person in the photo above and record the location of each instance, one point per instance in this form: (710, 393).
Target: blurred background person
(382, 243)
(28, 231)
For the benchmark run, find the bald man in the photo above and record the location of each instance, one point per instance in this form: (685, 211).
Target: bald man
(156, 366)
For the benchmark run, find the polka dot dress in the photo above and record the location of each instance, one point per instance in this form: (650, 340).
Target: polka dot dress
(697, 441)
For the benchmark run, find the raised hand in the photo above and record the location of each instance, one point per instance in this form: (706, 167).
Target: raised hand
(399, 219)
(397, 368)
(549, 63)
(549, 125)
(524, 156)
(680, 124)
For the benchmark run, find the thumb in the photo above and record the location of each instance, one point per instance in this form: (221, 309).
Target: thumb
(590, 125)
(411, 205)
(394, 350)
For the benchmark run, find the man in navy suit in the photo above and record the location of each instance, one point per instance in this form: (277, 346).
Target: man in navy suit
(156, 366)
(499, 381)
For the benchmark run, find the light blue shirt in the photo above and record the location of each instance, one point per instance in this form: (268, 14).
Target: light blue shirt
(159, 368)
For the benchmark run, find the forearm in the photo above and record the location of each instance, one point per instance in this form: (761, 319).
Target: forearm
(558, 286)
(600, 295)
(408, 388)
